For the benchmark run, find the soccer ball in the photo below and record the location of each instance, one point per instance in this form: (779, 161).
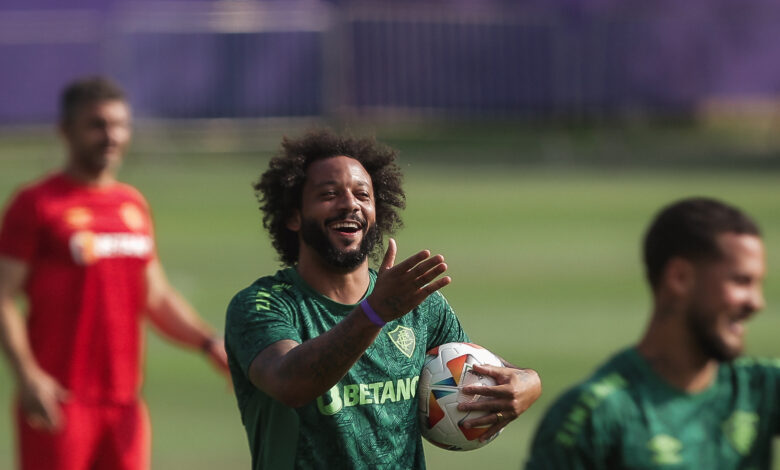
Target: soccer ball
(447, 369)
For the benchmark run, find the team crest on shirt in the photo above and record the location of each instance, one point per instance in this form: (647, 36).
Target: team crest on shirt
(740, 430)
(666, 449)
(77, 217)
(132, 216)
(403, 339)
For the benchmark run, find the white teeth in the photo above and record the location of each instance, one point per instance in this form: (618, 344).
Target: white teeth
(340, 225)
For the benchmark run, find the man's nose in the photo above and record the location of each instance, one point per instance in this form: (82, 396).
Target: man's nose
(349, 202)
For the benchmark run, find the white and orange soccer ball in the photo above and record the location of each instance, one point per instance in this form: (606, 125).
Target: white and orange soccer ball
(447, 369)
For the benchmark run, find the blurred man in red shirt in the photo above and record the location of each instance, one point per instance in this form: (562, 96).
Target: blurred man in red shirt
(80, 246)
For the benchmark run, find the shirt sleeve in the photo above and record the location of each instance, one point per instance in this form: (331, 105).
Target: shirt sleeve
(771, 370)
(444, 326)
(20, 231)
(775, 371)
(256, 318)
(148, 214)
(571, 437)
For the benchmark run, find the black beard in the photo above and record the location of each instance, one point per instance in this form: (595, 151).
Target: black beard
(708, 341)
(314, 236)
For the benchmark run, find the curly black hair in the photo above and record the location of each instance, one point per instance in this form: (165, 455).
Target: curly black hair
(279, 189)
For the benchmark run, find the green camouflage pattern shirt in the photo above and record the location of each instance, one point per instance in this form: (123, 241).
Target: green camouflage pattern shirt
(626, 417)
(369, 418)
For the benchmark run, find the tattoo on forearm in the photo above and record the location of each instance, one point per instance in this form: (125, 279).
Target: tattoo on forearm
(322, 360)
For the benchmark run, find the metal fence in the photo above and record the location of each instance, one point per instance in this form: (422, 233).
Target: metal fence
(246, 59)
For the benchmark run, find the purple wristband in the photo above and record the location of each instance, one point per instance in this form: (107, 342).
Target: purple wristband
(371, 314)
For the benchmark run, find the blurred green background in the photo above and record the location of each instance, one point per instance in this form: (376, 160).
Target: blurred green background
(540, 227)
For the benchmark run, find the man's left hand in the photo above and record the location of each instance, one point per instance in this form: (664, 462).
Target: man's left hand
(515, 391)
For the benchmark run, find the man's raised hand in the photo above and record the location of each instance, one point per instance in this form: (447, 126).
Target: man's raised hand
(402, 287)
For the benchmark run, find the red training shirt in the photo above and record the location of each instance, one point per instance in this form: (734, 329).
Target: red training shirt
(87, 249)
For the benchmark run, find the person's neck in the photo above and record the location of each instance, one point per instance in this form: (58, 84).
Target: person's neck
(99, 179)
(346, 287)
(674, 356)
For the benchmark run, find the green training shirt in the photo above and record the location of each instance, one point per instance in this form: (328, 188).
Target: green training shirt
(626, 417)
(369, 418)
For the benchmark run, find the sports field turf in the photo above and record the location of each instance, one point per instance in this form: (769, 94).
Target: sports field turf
(544, 260)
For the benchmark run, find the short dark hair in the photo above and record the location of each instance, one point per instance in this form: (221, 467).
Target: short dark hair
(689, 229)
(279, 188)
(86, 91)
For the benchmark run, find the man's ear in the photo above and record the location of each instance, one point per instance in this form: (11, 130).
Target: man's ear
(294, 221)
(679, 276)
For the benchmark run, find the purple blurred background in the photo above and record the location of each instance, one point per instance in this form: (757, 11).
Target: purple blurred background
(539, 59)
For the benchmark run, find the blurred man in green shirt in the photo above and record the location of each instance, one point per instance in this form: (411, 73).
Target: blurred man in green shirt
(682, 398)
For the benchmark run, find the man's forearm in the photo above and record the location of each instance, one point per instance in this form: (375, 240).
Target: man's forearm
(176, 319)
(307, 370)
(14, 340)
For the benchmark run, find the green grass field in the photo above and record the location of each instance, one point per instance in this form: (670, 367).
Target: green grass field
(544, 259)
